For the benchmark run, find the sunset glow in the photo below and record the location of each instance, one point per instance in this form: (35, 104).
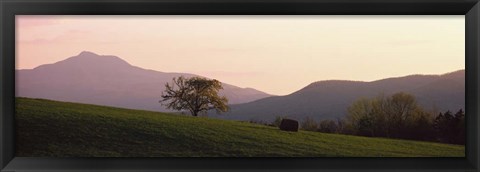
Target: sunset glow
(274, 54)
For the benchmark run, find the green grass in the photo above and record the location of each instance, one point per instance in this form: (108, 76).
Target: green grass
(57, 129)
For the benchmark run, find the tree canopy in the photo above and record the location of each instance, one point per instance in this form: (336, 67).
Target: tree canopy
(385, 116)
(195, 94)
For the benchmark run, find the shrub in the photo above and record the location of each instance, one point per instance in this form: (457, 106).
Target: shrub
(309, 124)
(327, 126)
(277, 121)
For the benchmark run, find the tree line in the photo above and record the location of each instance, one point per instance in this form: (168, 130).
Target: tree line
(396, 116)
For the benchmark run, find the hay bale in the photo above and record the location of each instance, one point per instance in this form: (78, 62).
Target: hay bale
(289, 125)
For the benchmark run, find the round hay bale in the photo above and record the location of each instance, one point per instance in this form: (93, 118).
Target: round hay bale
(289, 125)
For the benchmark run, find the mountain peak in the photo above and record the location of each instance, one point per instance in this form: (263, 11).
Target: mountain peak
(87, 53)
(91, 58)
(88, 60)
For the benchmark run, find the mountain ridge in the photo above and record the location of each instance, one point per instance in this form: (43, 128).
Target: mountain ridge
(330, 99)
(108, 80)
(93, 78)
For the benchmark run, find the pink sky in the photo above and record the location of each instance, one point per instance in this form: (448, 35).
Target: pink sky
(275, 54)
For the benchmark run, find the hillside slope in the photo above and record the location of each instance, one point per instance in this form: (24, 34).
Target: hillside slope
(57, 129)
(330, 99)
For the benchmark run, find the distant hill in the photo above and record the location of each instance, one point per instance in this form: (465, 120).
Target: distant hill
(108, 80)
(58, 129)
(330, 99)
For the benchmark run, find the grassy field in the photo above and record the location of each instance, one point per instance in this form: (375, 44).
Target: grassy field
(57, 129)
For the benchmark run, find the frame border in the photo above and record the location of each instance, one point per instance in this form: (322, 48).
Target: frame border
(10, 8)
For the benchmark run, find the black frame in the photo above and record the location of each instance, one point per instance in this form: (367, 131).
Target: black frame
(10, 8)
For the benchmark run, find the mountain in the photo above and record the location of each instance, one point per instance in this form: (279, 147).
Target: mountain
(330, 99)
(108, 80)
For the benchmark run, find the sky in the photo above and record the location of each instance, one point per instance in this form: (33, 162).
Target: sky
(275, 54)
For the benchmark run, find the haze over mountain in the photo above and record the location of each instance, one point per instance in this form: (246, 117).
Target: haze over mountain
(108, 80)
(330, 99)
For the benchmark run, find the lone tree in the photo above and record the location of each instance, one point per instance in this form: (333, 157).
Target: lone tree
(194, 94)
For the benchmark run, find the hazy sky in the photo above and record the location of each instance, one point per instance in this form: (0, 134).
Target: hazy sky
(275, 54)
